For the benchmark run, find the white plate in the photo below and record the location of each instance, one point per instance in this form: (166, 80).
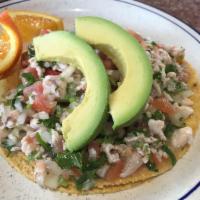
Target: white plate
(152, 23)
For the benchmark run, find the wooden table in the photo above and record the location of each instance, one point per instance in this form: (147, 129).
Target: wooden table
(186, 10)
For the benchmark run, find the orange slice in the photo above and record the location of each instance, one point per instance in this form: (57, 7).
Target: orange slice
(30, 24)
(10, 43)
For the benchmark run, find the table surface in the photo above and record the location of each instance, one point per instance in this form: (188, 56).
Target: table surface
(186, 10)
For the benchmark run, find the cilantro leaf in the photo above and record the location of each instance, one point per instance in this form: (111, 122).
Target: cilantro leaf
(158, 115)
(157, 75)
(51, 122)
(29, 78)
(169, 129)
(170, 68)
(169, 152)
(86, 181)
(46, 146)
(67, 160)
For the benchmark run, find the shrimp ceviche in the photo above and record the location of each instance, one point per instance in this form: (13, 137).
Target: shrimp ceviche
(92, 128)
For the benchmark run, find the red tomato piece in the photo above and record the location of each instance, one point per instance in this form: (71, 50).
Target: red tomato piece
(52, 72)
(36, 87)
(163, 105)
(41, 103)
(115, 170)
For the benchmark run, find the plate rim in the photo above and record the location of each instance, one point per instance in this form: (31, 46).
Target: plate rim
(186, 27)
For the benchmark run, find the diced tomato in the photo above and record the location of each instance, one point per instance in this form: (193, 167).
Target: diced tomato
(37, 87)
(115, 170)
(96, 146)
(136, 36)
(41, 103)
(163, 105)
(32, 71)
(76, 171)
(24, 60)
(155, 158)
(52, 72)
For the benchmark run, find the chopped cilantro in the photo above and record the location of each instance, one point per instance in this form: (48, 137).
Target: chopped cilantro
(86, 181)
(31, 51)
(29, 78)
(157, 75)
(6, 145)
(50, 122)
(67, 160)
(19, 92)
(153, 43)
(32, 156)
(169, 152)
(158, 115)
(151, 166)
(180, 87)
(45, 145)
(170, 68)
(95, 164)
(169, 129)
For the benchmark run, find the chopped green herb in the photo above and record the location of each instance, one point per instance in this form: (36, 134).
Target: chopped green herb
(169, 129)
(86, 181)
(19, 92)
(29, 78)
(157, 75)
(67, 160)
(46, 64)
(151, 166)
(51, 122)
(32, 156)
(46, 146)
(63, 102)
(62, 182)
(31, 51)
(180, 87)
(169, 152)
(153, 43)
(137, 144)
(158, 115)
(170, 68)
(6, 145)
(95, 164)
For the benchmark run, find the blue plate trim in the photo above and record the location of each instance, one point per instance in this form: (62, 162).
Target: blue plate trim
(140, 6)
(190, 191)
(13, 3)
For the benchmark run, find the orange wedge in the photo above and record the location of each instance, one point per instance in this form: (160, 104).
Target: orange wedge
(10, 43)
(30, 24)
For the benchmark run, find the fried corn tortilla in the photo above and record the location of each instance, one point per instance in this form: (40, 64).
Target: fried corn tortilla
(25, 167)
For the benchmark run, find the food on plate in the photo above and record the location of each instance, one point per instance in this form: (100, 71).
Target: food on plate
(55, 125)
(67, 48)
(130, 59)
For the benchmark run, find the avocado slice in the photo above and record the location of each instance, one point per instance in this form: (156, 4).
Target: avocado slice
(131, 60)
(84, 121)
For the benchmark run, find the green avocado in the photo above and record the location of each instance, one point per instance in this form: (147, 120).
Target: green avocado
(83, 123)
(131, 60)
